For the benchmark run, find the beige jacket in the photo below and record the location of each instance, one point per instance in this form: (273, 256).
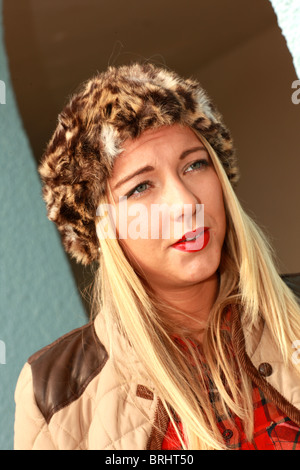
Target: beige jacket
(70, 395)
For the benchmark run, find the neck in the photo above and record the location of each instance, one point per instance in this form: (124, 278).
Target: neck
(195, 303)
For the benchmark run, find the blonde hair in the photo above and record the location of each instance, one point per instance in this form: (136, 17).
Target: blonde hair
(248, 276)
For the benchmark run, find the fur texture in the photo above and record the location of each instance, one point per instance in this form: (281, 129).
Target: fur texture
(115, 105)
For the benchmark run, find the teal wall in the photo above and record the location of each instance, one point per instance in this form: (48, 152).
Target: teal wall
(39, 300)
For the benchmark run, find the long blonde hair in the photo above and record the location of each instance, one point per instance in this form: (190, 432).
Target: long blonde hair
(248, 276)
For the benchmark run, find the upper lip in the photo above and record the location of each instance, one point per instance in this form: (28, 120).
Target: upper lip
(192, 234)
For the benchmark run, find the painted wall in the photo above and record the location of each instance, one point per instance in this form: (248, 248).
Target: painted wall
(38, 298)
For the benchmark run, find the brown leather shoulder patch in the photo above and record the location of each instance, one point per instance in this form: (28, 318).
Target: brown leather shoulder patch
(62, 370)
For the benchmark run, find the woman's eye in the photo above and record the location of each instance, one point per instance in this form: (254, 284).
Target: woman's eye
(200, 164)
(137, 188)
(142, 187)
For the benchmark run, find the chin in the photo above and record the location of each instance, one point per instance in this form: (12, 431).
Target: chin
(200, 275)
(202, 271)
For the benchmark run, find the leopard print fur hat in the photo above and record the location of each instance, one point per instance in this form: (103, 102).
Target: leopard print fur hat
(117, 104)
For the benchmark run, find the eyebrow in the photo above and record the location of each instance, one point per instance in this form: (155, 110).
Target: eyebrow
(148, 168)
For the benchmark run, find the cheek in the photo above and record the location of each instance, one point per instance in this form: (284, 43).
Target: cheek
(221, 214)
(133, 223)
(215, 202)
(144, 255)
(143, 223)
(142, 244)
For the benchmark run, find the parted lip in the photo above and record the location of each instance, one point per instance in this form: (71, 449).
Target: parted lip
(191, 234)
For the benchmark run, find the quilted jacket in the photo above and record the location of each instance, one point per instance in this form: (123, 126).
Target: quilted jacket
(71, 394)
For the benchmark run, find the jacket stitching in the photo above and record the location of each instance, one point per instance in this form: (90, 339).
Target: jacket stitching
(40, 432)
(129, 402)
(65, 431)
(124, 435)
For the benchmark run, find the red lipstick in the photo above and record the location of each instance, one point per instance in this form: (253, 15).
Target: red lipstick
(193, 241)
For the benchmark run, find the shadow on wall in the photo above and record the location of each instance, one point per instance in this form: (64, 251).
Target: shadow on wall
(39, 299)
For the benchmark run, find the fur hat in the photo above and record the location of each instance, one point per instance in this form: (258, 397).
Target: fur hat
(117, 104)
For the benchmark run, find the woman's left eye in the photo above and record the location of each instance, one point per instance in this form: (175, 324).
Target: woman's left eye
(201, 164)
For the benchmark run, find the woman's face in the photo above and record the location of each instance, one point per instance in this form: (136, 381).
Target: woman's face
(178, 173)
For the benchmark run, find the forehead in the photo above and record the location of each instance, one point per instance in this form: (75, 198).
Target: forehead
(175, 134)
(148, 148)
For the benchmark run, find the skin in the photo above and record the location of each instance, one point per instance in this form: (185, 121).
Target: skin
(188, 281)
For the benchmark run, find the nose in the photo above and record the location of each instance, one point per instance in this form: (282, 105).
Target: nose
(186, 210)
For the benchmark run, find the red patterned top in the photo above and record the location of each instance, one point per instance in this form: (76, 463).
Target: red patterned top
(273, 430)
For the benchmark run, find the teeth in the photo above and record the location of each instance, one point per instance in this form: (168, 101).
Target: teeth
(191, 239)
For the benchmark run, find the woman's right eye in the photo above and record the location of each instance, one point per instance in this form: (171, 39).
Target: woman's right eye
(131, 193)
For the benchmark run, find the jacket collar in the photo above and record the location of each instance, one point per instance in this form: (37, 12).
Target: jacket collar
(282, 385)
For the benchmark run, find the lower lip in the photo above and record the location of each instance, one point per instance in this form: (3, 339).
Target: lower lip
(196, 245)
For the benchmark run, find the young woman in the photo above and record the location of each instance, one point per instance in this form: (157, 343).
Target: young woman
(193, 338)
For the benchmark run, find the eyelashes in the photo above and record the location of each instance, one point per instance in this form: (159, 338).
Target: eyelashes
(130, 194)
(204, 164)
